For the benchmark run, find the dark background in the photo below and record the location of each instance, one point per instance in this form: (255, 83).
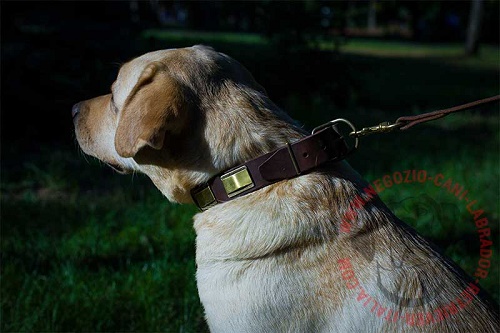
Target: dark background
(57, 53)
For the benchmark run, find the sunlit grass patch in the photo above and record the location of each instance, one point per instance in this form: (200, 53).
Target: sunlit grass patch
(191, 36)
(452, 53)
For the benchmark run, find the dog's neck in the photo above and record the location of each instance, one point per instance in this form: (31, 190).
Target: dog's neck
(287, 162)
(242, 125)
(285, 216)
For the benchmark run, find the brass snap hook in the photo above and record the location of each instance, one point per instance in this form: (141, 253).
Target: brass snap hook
(384, 127)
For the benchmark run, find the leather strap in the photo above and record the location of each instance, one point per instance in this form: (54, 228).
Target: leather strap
(410, 121)
(284, 163)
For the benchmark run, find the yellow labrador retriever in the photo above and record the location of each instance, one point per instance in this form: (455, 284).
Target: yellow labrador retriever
(273, 259)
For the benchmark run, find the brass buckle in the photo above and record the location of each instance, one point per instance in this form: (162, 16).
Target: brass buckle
(204, 198)
(335, 122)
(237, 181)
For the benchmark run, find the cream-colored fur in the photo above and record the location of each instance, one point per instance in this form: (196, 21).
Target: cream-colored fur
(270, 261)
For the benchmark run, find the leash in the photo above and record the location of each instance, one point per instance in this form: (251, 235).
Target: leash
(404, 123)
(325, 144)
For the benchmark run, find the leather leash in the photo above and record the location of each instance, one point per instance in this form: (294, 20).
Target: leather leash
(404, 123)
(325, 144)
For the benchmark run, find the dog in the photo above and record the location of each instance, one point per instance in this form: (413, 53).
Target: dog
(275, 259)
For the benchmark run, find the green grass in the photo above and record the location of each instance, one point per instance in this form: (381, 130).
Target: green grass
(84, 249)
(103, 253)
(182, 36)
(488, 58)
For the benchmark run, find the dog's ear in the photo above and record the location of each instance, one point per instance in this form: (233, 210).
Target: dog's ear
(156, 104)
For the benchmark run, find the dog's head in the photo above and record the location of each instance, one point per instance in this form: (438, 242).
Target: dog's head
(180, 116)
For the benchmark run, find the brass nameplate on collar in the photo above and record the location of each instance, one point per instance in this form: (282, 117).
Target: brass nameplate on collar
(204, 198)
(237, 181)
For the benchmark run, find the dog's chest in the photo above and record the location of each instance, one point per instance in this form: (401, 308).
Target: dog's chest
(250, 296)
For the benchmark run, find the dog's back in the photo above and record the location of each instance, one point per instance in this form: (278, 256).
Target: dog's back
(278, 261)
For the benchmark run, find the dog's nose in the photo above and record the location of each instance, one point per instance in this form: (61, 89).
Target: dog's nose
(75, 110)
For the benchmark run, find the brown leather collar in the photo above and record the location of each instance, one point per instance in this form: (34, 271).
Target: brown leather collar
(284, 163)
(324, 145)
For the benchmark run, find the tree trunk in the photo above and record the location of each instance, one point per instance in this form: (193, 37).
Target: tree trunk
(472, 38)
(372, 15)
(134, 11)
(350, 14)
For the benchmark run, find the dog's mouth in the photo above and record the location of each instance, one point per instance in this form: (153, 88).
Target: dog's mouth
(121, 170)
